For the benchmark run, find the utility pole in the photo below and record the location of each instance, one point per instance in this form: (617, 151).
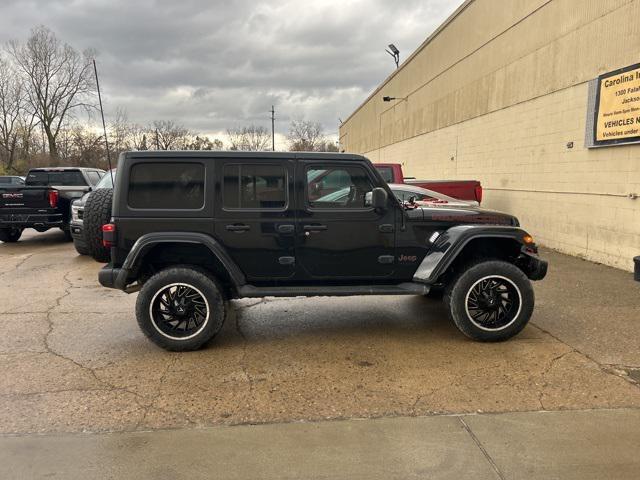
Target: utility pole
(273, 129)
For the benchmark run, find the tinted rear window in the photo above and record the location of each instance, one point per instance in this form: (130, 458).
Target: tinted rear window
(254, 186)
(63, 179)
(167, 186)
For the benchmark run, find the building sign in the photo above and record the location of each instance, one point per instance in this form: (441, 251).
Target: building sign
(617, 113)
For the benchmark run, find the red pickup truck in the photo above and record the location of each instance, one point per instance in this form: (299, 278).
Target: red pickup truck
(461, 189)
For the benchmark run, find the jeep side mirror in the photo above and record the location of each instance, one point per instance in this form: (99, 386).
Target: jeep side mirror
(379, 198)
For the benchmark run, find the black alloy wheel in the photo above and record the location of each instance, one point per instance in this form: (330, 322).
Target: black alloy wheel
(490, 300)
(179, 311)
(181, 308)
(493, 303)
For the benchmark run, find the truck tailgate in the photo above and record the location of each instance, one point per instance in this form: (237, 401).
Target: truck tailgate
(461, 189)
(15, 199)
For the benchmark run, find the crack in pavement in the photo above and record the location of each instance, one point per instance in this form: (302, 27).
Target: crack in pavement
(605, 368)
(476, 440)
(549, 367)
(153, 402)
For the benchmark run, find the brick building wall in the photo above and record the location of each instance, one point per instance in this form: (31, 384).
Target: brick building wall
(497, 94)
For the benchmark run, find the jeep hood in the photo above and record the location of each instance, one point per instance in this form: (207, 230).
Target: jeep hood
(460, 215)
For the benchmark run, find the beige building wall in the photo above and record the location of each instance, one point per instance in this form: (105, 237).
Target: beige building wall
(496, 94)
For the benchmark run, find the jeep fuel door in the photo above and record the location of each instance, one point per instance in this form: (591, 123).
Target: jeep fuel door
(338, 232)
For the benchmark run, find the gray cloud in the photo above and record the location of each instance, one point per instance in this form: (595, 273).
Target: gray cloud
(212, 64)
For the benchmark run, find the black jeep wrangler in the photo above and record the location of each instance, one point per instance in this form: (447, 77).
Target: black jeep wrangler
(192, 230)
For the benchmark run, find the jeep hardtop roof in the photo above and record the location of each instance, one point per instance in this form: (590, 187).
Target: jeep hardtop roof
(212, 154)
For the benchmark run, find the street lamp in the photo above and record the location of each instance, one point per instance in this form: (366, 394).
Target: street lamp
(395, 53)
(388, 99)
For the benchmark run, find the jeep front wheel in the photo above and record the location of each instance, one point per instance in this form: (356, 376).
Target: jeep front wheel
(180, 309)
(490, 301)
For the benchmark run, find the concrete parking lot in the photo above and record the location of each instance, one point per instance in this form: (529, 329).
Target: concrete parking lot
(72, 359)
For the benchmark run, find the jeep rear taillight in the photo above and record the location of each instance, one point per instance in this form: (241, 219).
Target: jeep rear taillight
(108, 235)
(478, 192)
(53, 198)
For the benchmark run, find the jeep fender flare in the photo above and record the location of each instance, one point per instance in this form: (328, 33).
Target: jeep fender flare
(452, 242)
(146, 242)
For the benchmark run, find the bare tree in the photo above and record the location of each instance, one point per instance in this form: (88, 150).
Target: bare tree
(168, 135)
(120, 133)
(57, 79)
(306, 136)
(138, 136)
(252, 138)
(11, 109)
(204, 143)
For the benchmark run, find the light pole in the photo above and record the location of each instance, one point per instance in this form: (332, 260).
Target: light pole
(273, 128)
(395, 53)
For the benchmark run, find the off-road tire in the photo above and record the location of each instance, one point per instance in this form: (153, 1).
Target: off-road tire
(10, 235)
(459, 291)
(97, 212)
(155, 326)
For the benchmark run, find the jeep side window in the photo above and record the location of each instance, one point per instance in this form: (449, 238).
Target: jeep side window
(338, 187)
(254, 187)
(168, 186)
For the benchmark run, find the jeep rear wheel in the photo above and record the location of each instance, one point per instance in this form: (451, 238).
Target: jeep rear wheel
(490, 301)
(180, 309)
(10, 235)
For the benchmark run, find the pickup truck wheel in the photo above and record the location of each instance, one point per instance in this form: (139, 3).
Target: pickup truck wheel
(180, 309)
(490, 301)
(10, 235)
(97, 212)
(67, 234)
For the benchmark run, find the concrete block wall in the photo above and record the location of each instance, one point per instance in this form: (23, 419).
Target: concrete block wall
(501, 103)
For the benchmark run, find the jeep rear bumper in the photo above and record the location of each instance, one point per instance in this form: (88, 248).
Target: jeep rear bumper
(113, 277)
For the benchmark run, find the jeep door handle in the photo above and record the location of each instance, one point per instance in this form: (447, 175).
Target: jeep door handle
(314, 228)
(287, 228)
(238, 228)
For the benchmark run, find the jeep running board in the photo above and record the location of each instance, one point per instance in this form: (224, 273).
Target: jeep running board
(250, 291)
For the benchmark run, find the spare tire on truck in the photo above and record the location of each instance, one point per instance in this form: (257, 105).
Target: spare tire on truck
(97, 212)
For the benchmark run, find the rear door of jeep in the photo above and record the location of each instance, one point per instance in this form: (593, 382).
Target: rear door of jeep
(255, 216)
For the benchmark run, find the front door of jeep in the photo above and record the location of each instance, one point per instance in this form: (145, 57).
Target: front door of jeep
(338, 234)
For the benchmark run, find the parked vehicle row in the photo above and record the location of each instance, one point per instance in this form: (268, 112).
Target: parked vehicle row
(191, 230)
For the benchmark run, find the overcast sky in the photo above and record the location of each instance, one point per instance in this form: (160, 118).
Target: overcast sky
(211, 64)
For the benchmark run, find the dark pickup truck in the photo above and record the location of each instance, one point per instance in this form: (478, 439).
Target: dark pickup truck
(44, 201)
